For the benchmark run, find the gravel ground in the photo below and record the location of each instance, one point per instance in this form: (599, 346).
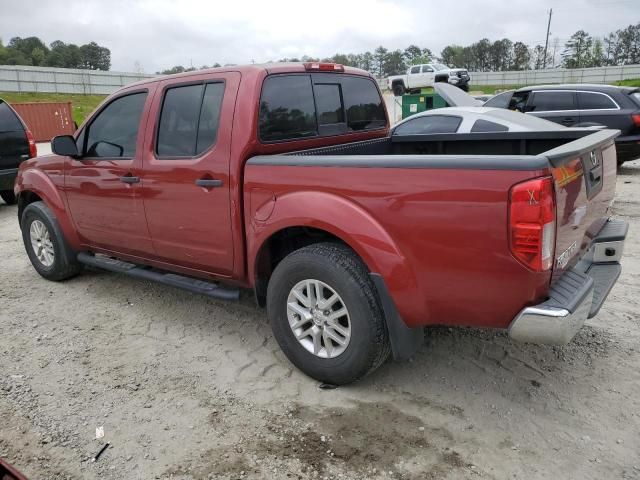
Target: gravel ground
(186, 387)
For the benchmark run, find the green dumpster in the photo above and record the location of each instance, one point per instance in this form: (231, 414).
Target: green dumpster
(412, 104)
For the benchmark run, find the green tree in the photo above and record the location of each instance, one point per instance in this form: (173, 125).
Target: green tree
(521, 57)
(95, 57)
(379, 60)
(577, 51)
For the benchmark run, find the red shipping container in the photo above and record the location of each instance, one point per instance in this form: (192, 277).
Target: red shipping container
(46, 119)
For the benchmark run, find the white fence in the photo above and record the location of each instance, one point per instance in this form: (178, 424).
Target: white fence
(14, 78)
(556, 75)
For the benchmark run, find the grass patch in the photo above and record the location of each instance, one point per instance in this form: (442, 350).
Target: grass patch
(491, 89)
(81, 105)
(632, 82)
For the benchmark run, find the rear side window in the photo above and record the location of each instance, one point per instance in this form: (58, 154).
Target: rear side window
(487, 126)
(550, 101)
(9, 122)
(595, 101)
(429, 124)
(287, 110)
(301, 106)
(415, 69)
(189, 120)
(113, 133)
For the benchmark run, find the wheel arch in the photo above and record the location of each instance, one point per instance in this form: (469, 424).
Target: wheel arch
(34, 185)
(333, 218)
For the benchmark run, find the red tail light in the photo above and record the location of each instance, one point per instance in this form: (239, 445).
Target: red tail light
(33, 150)
(532, 223)
(636, 119)
(324, 67)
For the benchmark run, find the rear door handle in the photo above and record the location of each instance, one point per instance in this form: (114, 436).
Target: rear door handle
(209, 182)
(130, 179)
(568, 120)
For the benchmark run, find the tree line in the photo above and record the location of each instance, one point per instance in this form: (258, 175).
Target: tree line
(33, 51)
(621, 47)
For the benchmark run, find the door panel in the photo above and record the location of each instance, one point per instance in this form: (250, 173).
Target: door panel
(186, 197)
(101, 188)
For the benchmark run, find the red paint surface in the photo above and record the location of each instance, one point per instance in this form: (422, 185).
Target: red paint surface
(46, 119)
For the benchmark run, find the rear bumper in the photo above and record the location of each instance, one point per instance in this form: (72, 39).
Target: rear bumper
(8, 178)
(577, 295)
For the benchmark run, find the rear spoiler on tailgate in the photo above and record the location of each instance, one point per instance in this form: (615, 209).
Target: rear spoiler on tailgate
(560, 155)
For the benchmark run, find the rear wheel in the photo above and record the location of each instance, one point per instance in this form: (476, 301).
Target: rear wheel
(45, 245)
(325, 314)
(398, 89)
(8, 196)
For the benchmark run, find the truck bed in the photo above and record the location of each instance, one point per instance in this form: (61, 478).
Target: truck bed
(443, 201)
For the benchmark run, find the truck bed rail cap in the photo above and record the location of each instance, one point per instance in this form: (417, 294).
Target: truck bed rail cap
(477, 162)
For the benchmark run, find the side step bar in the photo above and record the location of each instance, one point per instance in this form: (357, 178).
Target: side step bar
(194, 285)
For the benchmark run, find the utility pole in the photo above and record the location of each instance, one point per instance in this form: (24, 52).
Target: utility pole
(546, 41)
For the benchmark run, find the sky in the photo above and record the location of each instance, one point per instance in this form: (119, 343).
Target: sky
(158, 34)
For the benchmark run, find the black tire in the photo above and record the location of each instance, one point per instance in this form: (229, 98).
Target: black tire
(8, 196)
(341, 269)
(64, 263)
(398, 90)
(464, 88)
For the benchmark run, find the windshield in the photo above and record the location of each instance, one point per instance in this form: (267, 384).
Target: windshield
(439, 66)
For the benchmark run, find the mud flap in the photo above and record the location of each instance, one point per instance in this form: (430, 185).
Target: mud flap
(405, 341)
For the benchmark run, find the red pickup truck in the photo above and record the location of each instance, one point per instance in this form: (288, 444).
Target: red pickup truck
(284, 179)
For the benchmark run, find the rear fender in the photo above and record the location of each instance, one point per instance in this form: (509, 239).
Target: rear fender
(351, 224)
(38, 182)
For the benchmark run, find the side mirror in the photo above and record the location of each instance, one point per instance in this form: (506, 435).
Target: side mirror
(64, 145)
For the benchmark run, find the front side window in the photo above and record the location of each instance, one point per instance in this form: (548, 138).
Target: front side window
(429, 124)
(595, 101)
(518, 101)
(427, 69)
(189, 119)
(114, 132)
(552, 101)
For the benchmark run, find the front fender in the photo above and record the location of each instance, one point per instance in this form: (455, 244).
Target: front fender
(42, 184)
(355, 227)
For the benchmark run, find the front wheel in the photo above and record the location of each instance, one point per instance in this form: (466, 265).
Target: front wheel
(398, 90)
(8, 196)
(325, 314)
(45, 245)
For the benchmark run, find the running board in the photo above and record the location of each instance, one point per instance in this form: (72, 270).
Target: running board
(194, 285)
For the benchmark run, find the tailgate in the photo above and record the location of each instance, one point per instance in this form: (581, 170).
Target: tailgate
(584, 173)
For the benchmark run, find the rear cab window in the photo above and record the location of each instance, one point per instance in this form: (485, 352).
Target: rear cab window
(298, 106)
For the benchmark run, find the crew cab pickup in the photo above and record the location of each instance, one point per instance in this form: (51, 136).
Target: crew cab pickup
(427, 75)
(284, 179)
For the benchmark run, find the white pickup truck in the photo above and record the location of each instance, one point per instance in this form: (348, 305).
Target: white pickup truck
(426, 75)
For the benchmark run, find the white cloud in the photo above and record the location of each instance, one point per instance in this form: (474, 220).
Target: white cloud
(163, 33)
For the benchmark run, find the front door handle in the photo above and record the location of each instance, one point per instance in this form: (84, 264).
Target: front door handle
(568, 121)
(130, 179)
(209, 182)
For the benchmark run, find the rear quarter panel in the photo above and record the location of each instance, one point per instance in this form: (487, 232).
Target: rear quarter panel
(437, 236)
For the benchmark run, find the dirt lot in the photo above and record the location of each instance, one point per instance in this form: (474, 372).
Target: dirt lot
(187, 387)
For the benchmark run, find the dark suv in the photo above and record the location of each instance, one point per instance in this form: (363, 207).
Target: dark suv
(582, 105)
(16, 145)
